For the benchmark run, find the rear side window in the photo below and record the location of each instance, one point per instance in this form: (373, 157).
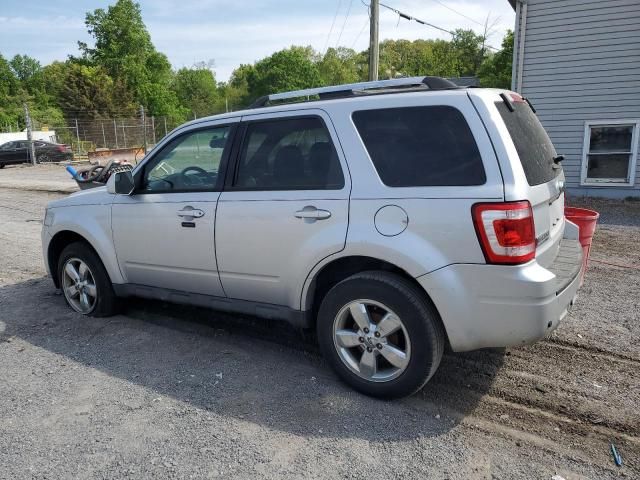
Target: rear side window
(534, 146)
(421, 146)
(288, 154)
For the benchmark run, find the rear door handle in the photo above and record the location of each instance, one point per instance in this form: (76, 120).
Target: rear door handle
(191, 212)
(312, 213)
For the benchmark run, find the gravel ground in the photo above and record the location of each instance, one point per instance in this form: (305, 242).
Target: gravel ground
(174, 392)
(45, 177)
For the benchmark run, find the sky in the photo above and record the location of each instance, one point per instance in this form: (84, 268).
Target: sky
(241, 31)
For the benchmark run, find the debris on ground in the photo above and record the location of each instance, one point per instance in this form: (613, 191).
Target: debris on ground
(616, 456)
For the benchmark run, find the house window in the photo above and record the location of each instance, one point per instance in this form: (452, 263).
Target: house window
(610, 152)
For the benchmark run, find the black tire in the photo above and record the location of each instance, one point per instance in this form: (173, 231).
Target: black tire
(420, 319)
(106, 303)
(2, 165)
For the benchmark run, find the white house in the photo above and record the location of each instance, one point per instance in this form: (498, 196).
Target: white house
(578, 62)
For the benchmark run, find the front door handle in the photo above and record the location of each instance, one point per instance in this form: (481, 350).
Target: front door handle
(191, 212)
(311, 213)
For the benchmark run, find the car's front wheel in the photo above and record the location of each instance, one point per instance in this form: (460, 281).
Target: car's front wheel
(380, 334)
(84, 281)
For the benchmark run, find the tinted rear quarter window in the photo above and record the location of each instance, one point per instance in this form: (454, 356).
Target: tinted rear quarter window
(532, 143)
(421, 146)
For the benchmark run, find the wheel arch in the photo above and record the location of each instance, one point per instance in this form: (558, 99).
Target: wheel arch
(341, 268)
(58, 243)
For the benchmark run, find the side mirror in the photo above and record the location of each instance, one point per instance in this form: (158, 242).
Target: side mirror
(121, 183)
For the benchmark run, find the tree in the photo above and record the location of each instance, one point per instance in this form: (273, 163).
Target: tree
(339, 65)
(124, 49)
(495, 71)
(197, 90)
(8, 81)
(24, 67)
(469, 51)
(10, 107)
(290, 69)
(90, 90)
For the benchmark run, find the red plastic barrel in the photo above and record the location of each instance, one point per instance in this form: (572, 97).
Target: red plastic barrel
(586, 221)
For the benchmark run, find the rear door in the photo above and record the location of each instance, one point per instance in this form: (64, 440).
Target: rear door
(544, 177)
(285, 206)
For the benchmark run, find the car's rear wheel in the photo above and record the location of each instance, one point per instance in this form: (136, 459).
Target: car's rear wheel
(84, 281)
(380, 334)
(2, 165)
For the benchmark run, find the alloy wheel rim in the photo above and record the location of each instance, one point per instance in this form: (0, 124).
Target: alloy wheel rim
(79, 286)
(371, 340)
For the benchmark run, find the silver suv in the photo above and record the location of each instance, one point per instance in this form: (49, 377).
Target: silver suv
(396, 217)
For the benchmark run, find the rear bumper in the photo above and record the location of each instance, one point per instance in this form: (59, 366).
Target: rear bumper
(486, 306)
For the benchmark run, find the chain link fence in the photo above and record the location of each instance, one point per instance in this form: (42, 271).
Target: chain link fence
(84, 134)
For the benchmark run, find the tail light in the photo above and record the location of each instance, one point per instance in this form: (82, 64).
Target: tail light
(506, 231)
(62, 148)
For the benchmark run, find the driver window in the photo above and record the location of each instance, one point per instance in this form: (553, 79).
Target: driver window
(188, 163)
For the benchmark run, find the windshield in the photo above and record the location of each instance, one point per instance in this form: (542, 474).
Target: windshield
(534, 146)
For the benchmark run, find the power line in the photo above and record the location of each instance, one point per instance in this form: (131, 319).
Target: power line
(406, 16)
(326, 43)
(346, 17)
(366, 22)
(457, 12)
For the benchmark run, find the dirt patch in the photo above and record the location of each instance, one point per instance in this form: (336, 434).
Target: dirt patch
(166, 391)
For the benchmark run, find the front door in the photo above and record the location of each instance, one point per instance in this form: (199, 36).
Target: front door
(164, 231)
(285, 207)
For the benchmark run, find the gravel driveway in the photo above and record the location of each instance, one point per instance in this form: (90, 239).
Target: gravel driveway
(174, 392)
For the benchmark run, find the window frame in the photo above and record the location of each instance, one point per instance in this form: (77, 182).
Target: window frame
(140, 172)
(633, 154)
(401, 107)
(242, 138)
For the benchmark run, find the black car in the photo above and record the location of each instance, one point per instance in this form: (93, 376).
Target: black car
(18, 152)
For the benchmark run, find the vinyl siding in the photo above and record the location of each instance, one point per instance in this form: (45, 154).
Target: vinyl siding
(581, 63)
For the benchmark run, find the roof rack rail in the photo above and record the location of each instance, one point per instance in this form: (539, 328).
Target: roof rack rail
(350, 89)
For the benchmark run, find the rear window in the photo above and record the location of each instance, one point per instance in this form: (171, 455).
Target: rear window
(532, 143)
(421, 146)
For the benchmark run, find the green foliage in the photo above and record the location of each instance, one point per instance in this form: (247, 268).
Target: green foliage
(469, 50)
(89, 89)
(24, 67)
(339, 65)
(9, 83)
(289, 69)
(420, 57)
(121, 70)
(496, 69)
(236, 90)
(123, 48)
(10, 108)
(197, 90)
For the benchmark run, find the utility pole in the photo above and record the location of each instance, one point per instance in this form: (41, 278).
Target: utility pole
(144, 129)
(165, 126)
(374, 46)
(78, 135)
(32, 149)
(115, 132)
(104, 137)
(153, 128)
